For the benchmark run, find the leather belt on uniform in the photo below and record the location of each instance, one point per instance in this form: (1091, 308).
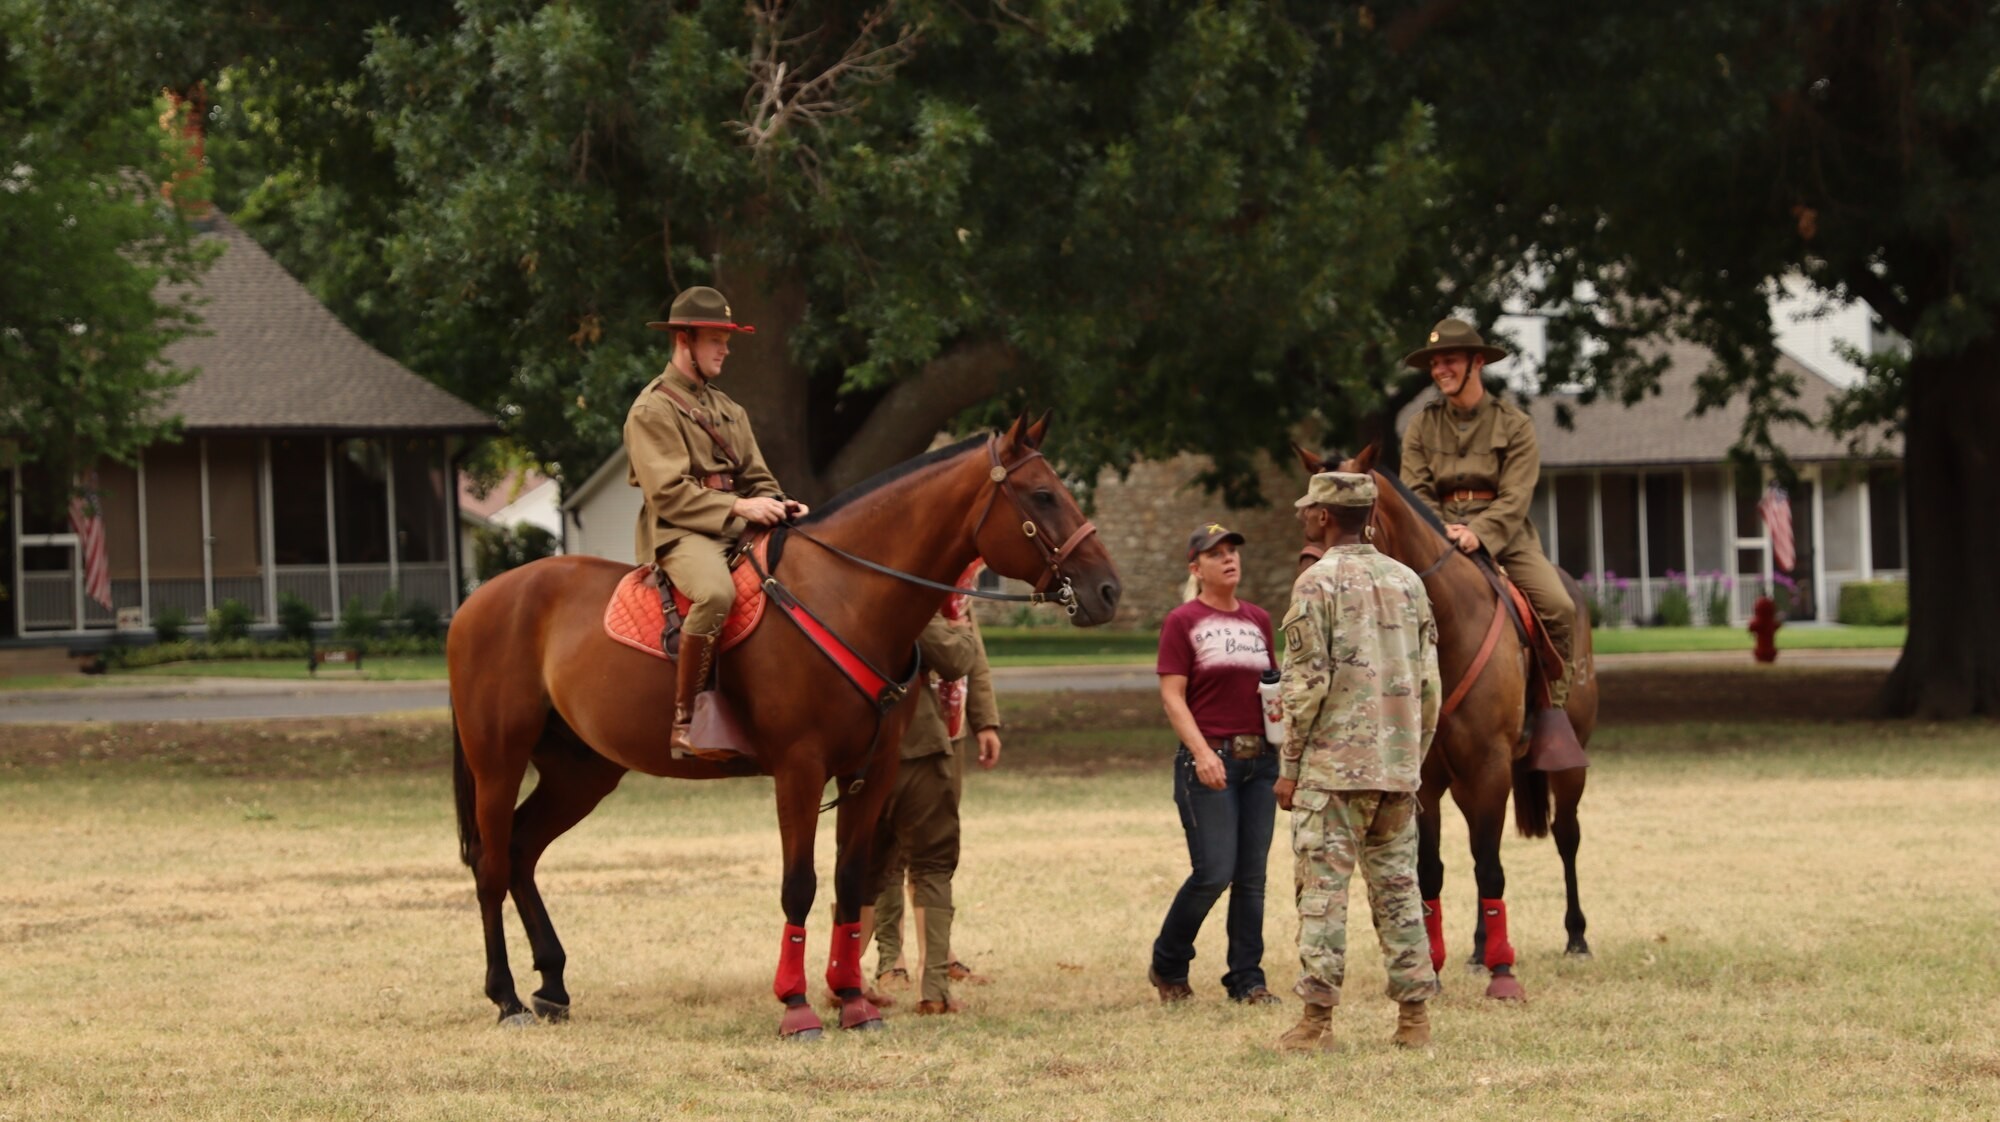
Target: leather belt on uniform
(719, 481)
(1470, 496)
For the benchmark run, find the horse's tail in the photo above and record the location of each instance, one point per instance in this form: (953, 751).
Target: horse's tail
(468, 808)
(1531, 800)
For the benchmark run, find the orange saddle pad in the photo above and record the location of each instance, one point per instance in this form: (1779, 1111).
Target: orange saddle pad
(634, 616)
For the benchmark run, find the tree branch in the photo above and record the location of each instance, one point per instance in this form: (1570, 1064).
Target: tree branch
(904, 422)
(1404, 31)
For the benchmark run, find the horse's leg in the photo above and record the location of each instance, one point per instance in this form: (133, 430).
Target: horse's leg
(798, 791)
(572, 782)
(1430, 868)
(854, 838)
(496, 792)
(1486, 814)
(1566, 787)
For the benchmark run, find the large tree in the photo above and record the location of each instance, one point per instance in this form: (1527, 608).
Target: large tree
(1158, 218)
(1640, 171)
(95, 199)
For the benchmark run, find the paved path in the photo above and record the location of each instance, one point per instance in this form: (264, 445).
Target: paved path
(220, 699)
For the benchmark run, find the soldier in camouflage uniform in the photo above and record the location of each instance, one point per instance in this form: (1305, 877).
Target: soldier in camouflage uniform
(1361, 705)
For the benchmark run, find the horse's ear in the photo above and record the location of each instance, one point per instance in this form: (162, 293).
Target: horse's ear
(1365, 462)
(1011, 438)
(1033, 436)
(1313, 464)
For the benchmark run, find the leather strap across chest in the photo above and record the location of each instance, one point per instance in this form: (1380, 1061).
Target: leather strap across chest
(700, 418)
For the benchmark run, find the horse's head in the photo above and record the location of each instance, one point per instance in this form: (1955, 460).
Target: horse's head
(1031, 529)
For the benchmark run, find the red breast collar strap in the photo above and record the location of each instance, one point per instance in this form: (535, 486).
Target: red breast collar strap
(874, 685)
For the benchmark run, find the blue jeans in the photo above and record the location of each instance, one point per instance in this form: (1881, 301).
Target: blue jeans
(1229, 845)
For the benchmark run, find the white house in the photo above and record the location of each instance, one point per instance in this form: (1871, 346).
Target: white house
(597, 517)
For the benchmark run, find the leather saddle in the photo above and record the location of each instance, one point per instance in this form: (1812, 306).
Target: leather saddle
(646, 612)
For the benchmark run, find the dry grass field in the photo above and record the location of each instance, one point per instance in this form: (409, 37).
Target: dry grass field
(1793, 920)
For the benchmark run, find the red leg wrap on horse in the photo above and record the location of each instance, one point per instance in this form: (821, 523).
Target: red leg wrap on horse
(843, 958)
(791, 977)
(1434, 927)
(1499, 952)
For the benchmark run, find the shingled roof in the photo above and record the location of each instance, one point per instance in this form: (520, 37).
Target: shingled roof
(274, 359)
(1663, 428)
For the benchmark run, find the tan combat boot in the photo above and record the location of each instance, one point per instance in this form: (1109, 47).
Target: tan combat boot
(1313, 1033)
(1413, 1026)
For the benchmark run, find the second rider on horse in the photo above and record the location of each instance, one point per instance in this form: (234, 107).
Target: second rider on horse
(695, 461)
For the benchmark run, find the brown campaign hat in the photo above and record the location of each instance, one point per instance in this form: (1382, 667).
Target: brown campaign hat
(701, 306)
(1209, 535)
(1452, 335)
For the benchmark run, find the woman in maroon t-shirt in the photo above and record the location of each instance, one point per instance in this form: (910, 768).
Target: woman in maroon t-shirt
(1213, 650)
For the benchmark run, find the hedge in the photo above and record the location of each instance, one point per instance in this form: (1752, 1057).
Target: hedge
(1875, 602)
(159, 654)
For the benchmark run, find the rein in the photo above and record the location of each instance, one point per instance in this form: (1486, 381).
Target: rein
(1065, 593)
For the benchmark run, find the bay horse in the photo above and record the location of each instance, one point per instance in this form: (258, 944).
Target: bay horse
(536, 680)
(1473, 754)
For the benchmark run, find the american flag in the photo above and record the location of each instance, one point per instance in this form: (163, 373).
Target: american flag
(88, 523)
(1776, 509)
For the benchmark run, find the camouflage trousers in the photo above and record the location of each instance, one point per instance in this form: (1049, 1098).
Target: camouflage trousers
(1332, 833)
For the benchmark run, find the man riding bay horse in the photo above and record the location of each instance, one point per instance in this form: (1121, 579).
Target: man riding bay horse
(695, 460)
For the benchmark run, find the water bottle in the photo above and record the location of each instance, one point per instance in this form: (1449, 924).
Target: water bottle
(1274, 707)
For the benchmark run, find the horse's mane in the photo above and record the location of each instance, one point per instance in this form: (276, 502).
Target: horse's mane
(1422, 508)
(887, 476)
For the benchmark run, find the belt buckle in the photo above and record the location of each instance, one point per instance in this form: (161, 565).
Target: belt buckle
(1246, 747)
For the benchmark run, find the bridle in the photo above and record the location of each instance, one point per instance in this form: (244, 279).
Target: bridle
(1053, 558)
(1376, 526)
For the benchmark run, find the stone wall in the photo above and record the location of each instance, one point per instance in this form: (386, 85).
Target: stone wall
(1145, 520)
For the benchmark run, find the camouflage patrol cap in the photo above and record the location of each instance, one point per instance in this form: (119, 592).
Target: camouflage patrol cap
(701, 306)
(1339, 488)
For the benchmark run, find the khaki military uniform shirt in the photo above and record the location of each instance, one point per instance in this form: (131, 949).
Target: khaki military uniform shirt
(950, 650)
(1360, 675)
(1490, 448)
(668, 456)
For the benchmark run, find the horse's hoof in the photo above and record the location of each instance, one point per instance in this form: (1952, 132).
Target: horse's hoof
(803, 1036)
(552, 1011)
(523, 1019)
(859, 1014)
(1476, 969)
(1580, 954)
(801, 1023)
(1506, 987)
(875, 1025)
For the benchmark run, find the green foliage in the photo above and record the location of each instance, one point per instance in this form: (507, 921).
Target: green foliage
(84, 321)
(1169, 222)
(1874, 603)
(496, 549)
(357, 624)
(229, 620)
(183, 650)
(1675, 605)
(422, 620)
(169, 624)
(295, 616)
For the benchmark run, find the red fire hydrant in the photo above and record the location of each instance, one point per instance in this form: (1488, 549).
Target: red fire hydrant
(1764, 624)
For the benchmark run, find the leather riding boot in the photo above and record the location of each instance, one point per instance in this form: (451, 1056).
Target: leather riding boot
(697, 657)
(1413, 1026)
(1313, 1033)
(1559, 688)
(1552, 743)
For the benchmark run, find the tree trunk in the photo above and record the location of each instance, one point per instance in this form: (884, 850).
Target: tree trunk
(1950, 666)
